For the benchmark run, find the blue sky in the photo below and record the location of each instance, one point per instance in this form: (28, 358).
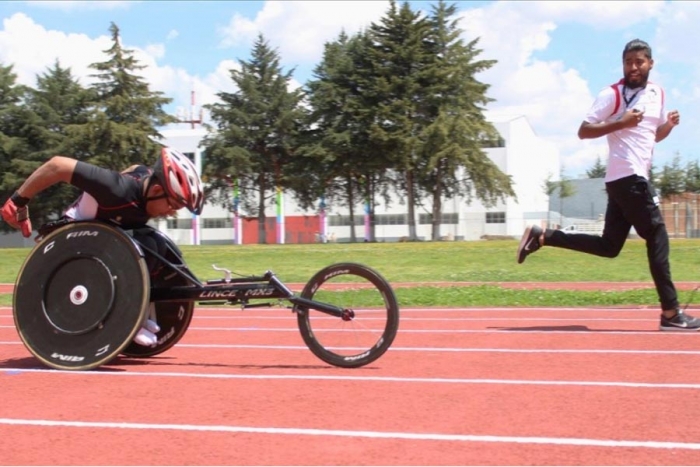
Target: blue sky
(553, 56)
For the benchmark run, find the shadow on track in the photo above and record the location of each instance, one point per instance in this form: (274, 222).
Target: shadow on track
(175, 363)
(571, 328)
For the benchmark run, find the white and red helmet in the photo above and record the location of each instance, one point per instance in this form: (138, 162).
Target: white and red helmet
(180, 180)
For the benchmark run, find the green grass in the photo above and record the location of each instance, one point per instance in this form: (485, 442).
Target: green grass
(485, 261)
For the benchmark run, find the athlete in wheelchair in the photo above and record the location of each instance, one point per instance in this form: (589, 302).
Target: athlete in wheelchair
(128, 200)
(101, 282)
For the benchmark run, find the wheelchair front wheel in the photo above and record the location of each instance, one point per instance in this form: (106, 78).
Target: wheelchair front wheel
(372, 320)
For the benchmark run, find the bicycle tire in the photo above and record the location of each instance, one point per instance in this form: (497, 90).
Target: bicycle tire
(377, 338)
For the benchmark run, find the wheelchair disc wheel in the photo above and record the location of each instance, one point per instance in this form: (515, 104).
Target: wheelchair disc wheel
(81, 296)
(173, 318)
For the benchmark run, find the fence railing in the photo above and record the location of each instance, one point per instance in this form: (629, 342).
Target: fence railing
(682, 215)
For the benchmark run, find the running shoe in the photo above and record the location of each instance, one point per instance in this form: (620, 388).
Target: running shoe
(147, 334)
(680, 322)
(530, 242)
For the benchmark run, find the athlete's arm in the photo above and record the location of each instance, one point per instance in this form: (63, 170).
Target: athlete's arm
(130, 169)
(664, 130)
(15, 211)
(55, 170)
(629, 119)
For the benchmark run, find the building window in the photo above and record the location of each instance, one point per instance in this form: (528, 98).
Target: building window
(340, 221)
(179, 224)
(495, 217)
(445, 218)
(219, 223)
(390, 219)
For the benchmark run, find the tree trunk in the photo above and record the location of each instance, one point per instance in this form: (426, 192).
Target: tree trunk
(410, 194)
(437, 206)
(262, 239)
(369, 197)
(351, 208)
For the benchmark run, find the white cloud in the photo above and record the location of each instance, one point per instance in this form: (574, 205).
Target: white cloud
(598, 14)
(31, 49)
(178, 83)
(677, 34)
(675, 67)
(299, 29)
(155, 50)
(554, 98)
(73, 5)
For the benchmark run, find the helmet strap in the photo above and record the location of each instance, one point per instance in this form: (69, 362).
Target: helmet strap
(151, 182)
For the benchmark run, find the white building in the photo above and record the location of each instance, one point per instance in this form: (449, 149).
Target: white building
(527, 158)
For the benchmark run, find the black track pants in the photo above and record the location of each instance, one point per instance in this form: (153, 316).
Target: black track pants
(632, 201)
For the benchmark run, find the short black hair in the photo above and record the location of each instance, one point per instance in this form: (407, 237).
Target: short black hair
(635, 45)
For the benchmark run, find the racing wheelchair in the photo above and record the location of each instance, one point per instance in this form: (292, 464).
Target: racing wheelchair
(84, 291)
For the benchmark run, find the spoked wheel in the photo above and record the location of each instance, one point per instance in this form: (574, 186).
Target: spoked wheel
(370, 321)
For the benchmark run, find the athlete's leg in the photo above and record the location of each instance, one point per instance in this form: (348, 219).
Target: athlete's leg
(643, 212)
(608, 245)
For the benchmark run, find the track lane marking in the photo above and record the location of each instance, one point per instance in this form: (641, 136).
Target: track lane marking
(381, 379)
(471, 309)
(359, 434)
(432, 349)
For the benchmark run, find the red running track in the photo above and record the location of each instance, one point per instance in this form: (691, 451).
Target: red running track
(601, 286)
(458, 387)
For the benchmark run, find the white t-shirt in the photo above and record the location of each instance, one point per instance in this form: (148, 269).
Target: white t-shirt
(630, 149)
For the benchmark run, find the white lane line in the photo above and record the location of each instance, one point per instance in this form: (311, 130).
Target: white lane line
(431, 349)
(470, 309)
(412, 331)
(404, 318)
(611, 443)
(380, 379)
(457, 349)
(408, 318)
(508, 330)
(511, 330)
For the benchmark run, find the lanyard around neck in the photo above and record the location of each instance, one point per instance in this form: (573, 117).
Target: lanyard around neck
(632, 98)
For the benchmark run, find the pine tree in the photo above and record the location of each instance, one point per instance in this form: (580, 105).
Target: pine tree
(21, 135)
(327, 166)
(27, 140)
(598, 170)
(373, 158)
(401, 56)
(692, 177)
(256, 130)
(351, 164)
(58, 101)
(121, 128)
(457, 131)
(672, 179)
